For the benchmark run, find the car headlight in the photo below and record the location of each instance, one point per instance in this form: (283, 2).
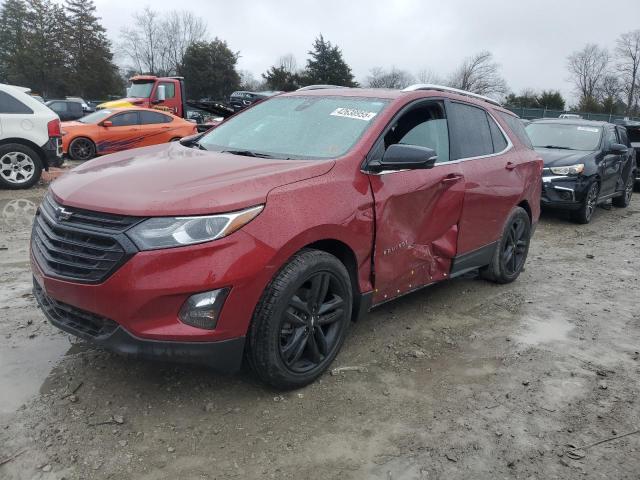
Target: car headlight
(166, 232)
(568, 170)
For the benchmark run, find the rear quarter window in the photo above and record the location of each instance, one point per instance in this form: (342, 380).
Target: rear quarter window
(471, 131)
(10, 104)
(516, 127)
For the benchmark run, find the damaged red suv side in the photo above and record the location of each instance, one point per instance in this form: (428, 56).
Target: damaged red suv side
(271, 233)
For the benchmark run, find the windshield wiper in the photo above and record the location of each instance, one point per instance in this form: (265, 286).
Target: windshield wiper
(558, 147)
(248, 153)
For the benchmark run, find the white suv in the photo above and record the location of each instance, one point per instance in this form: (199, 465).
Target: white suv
(30, 139)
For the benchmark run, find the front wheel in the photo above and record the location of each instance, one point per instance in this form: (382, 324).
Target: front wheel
(82, 149)
(301, 320)
(585, 212)
(512, 249)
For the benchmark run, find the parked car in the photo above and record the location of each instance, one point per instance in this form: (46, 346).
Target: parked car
(285, 223)
(29, 138)
(67, 110)
(113, 130)
(87, 107)
(633, 131)
(570, 116)
(586, 164)
(243, 99)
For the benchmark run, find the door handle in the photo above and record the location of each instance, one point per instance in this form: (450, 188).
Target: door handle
(510, 166)
(451, 178)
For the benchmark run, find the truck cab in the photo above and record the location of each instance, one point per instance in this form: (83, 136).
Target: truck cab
(161, 93)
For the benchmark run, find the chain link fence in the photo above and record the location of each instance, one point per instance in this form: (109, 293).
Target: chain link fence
(532, 113)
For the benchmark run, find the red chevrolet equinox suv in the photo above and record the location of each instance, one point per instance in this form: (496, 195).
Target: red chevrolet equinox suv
(267, 236)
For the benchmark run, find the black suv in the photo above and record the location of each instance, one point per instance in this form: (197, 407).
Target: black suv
(67, 110)
(585, 163)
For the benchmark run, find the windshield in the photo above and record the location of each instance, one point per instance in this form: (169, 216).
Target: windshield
(296, 127)
(140, 90)
(96, 116)
(563, 136)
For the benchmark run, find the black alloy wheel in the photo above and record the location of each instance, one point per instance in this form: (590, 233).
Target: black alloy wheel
(514, 249)
(82, 149)
(312, 322)
(585, 213)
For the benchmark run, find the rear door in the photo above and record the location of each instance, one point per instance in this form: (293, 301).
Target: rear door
(124, 133)
(155, 127)
(416, 211)
(491, 167)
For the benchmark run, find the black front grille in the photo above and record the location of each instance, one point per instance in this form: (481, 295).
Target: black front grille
(71, 319)
(79, 245)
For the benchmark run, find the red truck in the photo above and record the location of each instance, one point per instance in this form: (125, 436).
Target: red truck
(266, 237)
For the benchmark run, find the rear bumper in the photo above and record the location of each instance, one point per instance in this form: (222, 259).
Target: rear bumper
(223, 356)
(53, 152)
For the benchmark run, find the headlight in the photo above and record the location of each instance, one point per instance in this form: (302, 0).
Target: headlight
(568, 170)
(166, 232)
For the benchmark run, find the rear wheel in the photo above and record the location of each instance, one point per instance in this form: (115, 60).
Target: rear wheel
(512, 249)
(585, 212)
(82, 149)
(624, 200)
(20, 166)
(301, 320)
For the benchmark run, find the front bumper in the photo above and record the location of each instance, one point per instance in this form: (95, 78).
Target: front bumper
(224, 355)
(563, 192)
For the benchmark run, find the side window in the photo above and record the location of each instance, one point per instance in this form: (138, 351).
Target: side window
(75, 108)
(624, 138)
(125, 119)
(472, 135)
(424, 126)
(499, 142)
(149, 118)
(58, 107)
(516, 127)
(9, 104)
(169, 90)
(610, 137)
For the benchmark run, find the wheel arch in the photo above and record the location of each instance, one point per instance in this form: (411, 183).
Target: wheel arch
(524, 204)
(85, 137)
(30, 144)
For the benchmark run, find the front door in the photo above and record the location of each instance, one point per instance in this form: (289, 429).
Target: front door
(122, 134)
(612, 163)
(416, 211)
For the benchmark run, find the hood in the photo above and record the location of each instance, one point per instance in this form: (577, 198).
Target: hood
(171, 179)
(561, 158)
(122, 103)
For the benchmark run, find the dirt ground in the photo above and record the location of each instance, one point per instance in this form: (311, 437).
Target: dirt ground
(462, 380)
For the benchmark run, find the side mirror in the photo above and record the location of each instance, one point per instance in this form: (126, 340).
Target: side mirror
(107, 123)
(618, 149)
(160, 94)
(406, 157)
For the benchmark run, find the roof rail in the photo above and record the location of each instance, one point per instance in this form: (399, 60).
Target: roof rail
(442, 88)
(318, 87)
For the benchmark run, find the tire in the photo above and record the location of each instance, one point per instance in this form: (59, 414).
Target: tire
(175, 139)
(288, 347)
(584, 214)
(20, 166)
(512, 249)
(82, 149)
(624, 200)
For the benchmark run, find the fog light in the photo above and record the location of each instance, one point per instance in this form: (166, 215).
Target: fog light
(203, 309)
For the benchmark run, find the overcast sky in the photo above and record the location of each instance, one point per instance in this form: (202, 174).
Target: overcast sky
(530, 40)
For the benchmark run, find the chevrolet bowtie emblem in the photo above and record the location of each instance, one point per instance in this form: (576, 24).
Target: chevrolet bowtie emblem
(63, 214)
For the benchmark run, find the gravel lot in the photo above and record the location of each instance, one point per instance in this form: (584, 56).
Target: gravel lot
(462, 380)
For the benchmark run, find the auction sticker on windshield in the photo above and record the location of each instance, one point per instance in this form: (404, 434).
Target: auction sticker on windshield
(353, 113)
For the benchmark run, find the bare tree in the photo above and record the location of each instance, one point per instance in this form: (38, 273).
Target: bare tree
(288, 63)
(628, 56)
(249, 82)
(588, 68)
(427, 75)
(157, 46)
(393, 78)
(181, 29)
(480, 74)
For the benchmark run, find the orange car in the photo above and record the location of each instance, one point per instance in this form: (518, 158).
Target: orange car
(115, 129)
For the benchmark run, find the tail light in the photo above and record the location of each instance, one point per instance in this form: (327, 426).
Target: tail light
(53, 127)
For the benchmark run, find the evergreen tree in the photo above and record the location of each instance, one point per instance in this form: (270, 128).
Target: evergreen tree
(91, 73)
(12, 42)
(279, 78)
(210, 68)
(551, 100)
(326, 65)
